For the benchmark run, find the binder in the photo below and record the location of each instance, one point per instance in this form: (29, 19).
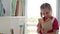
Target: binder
(2, 9)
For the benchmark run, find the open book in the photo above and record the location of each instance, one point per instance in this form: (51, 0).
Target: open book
(46, 26)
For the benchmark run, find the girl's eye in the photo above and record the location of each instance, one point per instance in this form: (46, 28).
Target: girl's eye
(45, 13)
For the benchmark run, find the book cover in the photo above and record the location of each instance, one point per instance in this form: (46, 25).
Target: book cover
(46, 26)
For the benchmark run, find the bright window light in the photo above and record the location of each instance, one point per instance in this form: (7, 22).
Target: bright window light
(33, 13)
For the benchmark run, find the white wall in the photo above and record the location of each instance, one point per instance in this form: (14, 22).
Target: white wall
(58, 11)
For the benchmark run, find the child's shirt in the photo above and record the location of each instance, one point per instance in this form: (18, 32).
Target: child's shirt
(54, 25)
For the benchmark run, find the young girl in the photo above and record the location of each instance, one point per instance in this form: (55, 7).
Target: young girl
(44, 28)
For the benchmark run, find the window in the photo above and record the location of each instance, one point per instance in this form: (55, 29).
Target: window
(33, 13)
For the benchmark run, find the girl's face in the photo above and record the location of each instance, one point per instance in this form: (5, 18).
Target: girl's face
(46, 12)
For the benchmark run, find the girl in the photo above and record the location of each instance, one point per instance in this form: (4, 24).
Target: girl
(47, 24)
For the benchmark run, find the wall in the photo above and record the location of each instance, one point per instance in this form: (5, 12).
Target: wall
(58, 11)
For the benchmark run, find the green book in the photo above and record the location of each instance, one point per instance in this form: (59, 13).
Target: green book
(13, 7)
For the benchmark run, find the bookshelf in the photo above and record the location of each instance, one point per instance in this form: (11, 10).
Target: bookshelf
(18, 8)
(13, 17)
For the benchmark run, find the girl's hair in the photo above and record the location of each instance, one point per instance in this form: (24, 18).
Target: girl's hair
(45, 6)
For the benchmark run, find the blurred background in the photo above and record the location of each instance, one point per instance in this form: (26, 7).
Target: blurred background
(21, 16)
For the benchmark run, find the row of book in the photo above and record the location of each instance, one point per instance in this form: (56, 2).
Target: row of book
(18, 8)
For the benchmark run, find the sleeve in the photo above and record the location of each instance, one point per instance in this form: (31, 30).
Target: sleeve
(55, 24)
(38, 25)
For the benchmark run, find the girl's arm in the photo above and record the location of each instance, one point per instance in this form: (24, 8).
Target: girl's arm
(39, 28)
(54, 32)
(55, 26)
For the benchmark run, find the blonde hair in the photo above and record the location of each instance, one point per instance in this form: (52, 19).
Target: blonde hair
(44, 6)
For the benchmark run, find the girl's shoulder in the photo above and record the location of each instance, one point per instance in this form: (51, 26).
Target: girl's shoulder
(55, 19)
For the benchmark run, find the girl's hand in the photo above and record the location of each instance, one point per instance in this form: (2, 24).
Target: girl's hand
(40, 20)
(38, 30)
(49, 33)
(45, 33)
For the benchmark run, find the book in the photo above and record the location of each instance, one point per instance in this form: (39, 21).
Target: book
(46, 26)
(2, 9)
(18, 8)
(13, 7)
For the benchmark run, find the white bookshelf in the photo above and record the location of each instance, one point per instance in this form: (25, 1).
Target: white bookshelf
(6, 23)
